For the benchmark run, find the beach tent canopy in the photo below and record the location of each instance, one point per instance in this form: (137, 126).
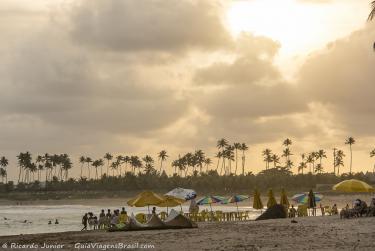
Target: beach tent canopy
(257, 203)
(182, 193)
(284, 198)
(146, 198)
(271, 199)
(353, 185)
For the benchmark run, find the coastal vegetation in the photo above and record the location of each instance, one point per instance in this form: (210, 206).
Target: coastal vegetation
(50, 172)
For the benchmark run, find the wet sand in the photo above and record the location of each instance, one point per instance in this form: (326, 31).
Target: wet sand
(309, 233)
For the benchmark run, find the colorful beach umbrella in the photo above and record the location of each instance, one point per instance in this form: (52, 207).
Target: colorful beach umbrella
(235, 199)
(284, 198)
(182, 193)
(302, 198)
(271, 199)
(257, 202)
(209, 200)
(353, 185)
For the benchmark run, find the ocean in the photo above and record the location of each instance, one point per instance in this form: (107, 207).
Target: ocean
(32, 219)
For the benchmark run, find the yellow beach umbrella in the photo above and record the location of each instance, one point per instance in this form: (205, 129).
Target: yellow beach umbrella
(284, 198)
(257, 202)
(353, 185)
(271, 199)
(146, 198)
(170, 201)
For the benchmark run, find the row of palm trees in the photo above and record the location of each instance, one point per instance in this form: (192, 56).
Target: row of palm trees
(58, 165)
(228, 153)
(309, 160)
(55, 165)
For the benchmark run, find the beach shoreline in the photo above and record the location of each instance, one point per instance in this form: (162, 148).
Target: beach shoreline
(309, 233)
(339, 199)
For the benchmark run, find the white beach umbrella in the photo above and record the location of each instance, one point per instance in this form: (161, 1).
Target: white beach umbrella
(182, 193)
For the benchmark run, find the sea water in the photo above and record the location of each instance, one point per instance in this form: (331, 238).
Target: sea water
(31, 219)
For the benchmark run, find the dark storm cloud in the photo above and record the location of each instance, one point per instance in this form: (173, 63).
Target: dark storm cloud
(161, 25)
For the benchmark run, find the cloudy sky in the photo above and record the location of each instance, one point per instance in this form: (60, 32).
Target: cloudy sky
(138, 76)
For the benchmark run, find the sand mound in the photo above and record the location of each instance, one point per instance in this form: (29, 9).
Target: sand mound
(275, 212)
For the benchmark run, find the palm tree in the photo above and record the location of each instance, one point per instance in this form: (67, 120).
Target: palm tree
(243, 148)
(4, 163)
(119, 160)
(310, 160)
(237, 146)
(267, 153)
(199, 159)
(339, 160)
(372, 13)
(302, 165)
(3, 174)
(229, 154)
(319, 168)
(275, 159)
(321, 154)
(207, 162)
(350, 141)
(287, 142)
(286, 154)
(162, 157)
(371, 16)
(88, 160)
(114, 166)
(372, 154)
(222, 143)
(218, 155)
(108, 157)
(149, 164)
(334, 158)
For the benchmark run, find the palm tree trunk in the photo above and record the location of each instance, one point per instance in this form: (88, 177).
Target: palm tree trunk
(235, 172)
(351, 158)
(243, 163)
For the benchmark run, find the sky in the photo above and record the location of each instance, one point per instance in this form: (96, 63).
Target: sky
(135, 77)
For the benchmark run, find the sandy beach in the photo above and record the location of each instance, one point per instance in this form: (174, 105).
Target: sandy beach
(309, 233)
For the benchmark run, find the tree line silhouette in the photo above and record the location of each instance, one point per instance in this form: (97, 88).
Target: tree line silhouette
(53, 169)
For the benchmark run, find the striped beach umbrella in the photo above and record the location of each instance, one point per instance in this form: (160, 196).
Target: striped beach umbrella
(302, 198)
(235, 199)
(208, 200)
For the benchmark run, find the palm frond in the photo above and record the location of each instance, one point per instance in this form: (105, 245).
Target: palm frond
(372, 13)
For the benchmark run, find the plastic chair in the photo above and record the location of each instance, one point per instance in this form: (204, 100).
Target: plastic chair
(163, 215)
(328, 210)
(219, 215)
(302, 211)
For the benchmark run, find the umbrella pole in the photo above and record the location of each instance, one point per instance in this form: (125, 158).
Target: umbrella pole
(237, 207)
(181, 209)
(148, 208)
(167, 211)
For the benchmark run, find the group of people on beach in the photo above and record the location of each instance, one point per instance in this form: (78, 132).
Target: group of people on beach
(90, 221)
